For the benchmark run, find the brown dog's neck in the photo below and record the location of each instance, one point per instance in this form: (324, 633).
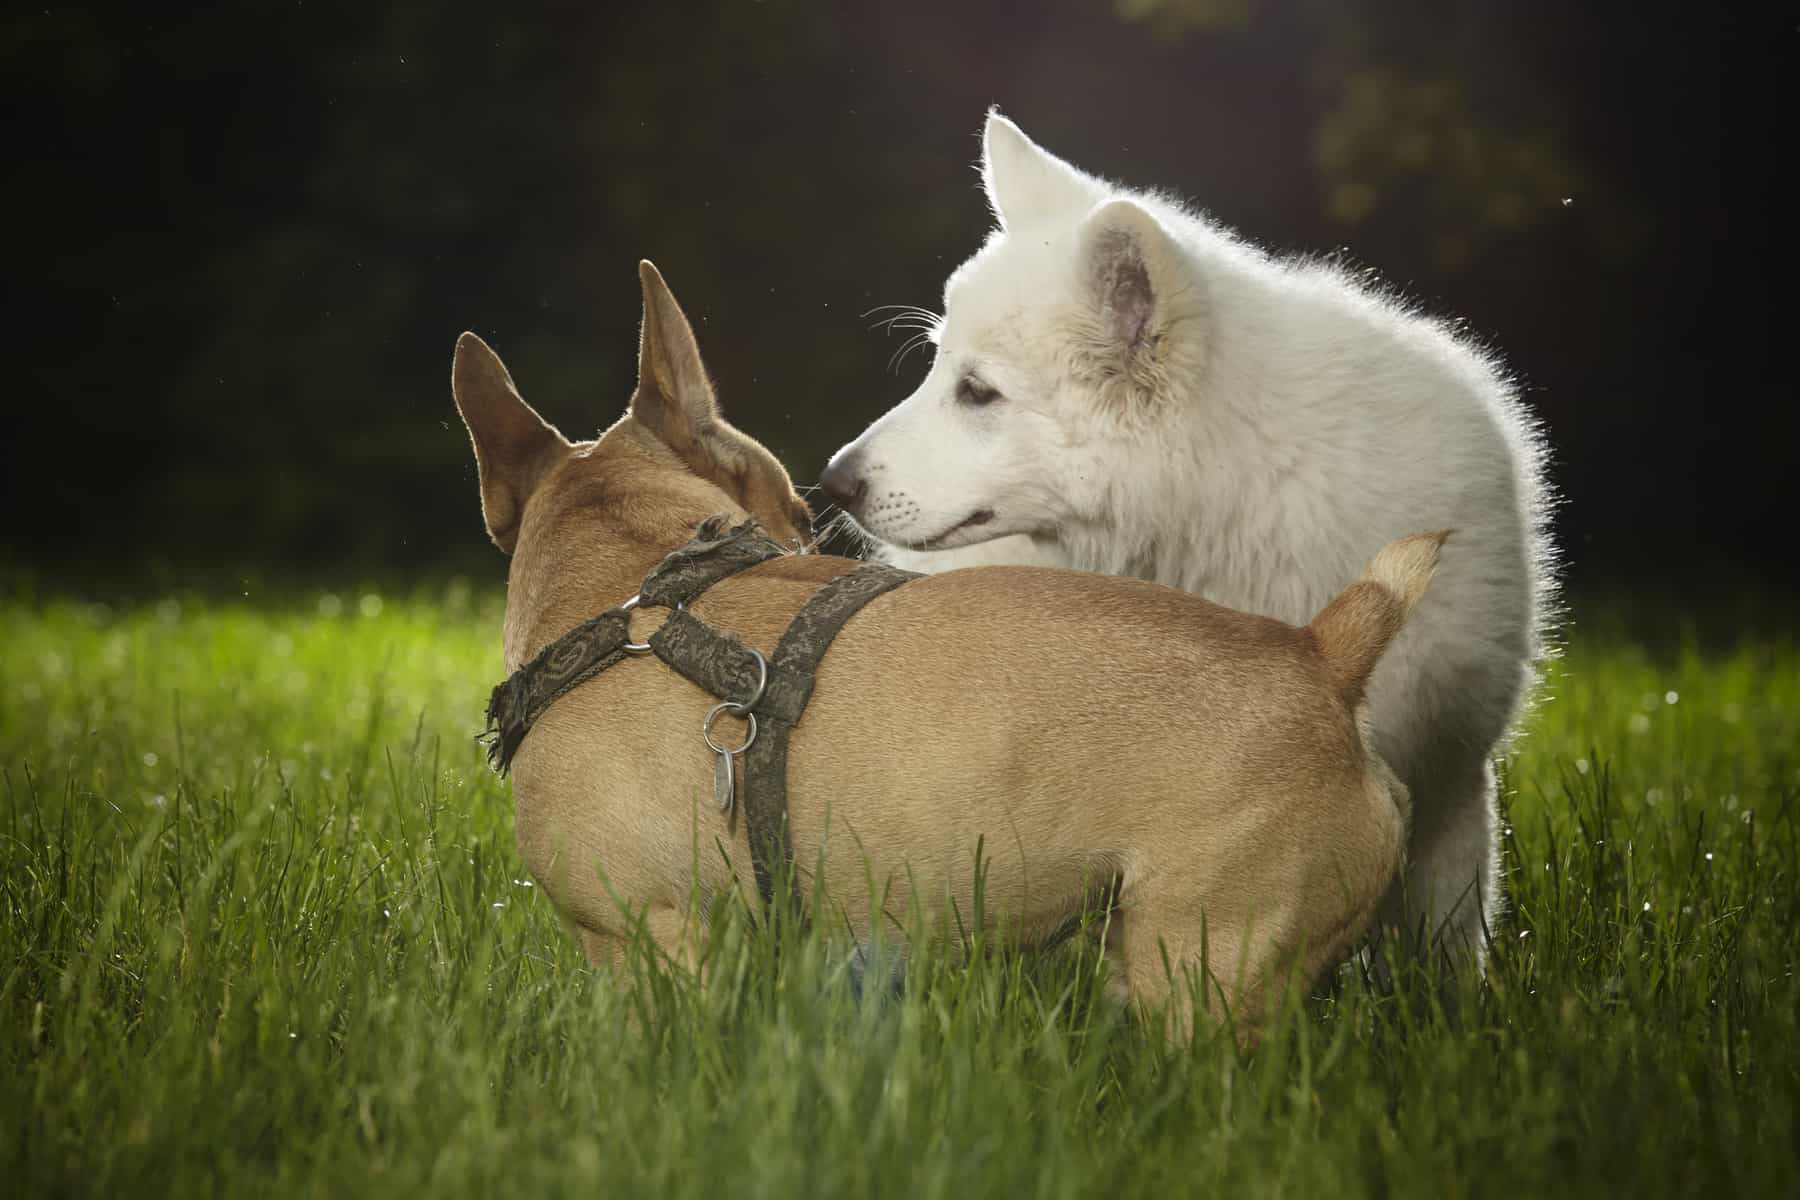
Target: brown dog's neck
(598, 524)
(558, 591)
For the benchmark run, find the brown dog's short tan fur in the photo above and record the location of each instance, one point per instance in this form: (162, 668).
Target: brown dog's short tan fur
(1098, 736)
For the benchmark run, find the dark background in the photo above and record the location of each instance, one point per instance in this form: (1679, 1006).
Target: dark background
(242, 239)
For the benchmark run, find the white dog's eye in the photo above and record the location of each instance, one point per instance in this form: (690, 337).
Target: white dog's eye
(971, 391)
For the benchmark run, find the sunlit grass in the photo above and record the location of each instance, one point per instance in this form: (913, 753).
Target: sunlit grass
(265, 931)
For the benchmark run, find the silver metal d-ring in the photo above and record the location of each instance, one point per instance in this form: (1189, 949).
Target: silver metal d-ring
(762, 679)
(739, 710)
(631, 647)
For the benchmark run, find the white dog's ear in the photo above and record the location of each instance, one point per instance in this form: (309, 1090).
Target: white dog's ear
(1132, 266)
(513, 445)
(1026, 183)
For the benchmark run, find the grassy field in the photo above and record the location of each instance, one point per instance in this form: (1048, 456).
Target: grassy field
(265, 932)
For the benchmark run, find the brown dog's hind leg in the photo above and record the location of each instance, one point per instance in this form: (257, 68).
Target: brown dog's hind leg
(669, 928)
(677, 935)
(602, 949)
(1171, 957)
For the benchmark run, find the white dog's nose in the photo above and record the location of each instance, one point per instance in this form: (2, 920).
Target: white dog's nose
(843, 482)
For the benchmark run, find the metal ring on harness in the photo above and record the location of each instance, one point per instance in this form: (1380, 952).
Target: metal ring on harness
(739, 708)
(712, 714)
(631, 647)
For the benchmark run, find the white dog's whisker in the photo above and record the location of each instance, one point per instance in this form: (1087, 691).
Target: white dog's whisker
(906, 348)
(906, 316)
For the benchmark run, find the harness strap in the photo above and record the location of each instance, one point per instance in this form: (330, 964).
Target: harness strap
(795, 667)
(597, 643)
(714, 660)
(714, 553)
(719, 663)
(571, 660)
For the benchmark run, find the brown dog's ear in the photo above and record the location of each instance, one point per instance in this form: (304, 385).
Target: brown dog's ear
(674, 400)
(513, 445)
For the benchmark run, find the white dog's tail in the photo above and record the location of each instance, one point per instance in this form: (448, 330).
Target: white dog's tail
(1355, 628)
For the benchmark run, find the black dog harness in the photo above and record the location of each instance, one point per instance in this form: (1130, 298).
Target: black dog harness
(771, 693)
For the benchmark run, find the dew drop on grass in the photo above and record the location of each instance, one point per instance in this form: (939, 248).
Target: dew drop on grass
(1639, 723)
(330, 605)
(370, 605)
(1581, 766)
(1671, 697)
(149, 758)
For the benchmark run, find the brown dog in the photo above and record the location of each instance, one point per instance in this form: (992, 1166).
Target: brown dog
(1204, 769)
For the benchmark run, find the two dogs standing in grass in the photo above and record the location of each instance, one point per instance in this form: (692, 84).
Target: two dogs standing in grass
(1119, 387)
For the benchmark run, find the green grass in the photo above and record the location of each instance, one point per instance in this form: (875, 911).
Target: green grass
(265, 932)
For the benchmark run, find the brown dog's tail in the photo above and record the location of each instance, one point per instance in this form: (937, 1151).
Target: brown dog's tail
(1355, 628)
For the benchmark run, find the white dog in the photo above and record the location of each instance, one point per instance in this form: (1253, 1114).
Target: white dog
(1123, 386)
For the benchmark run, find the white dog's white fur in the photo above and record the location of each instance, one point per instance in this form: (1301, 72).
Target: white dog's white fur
(1123, 386)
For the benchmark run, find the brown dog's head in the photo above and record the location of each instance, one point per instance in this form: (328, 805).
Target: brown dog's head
(669, 463)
